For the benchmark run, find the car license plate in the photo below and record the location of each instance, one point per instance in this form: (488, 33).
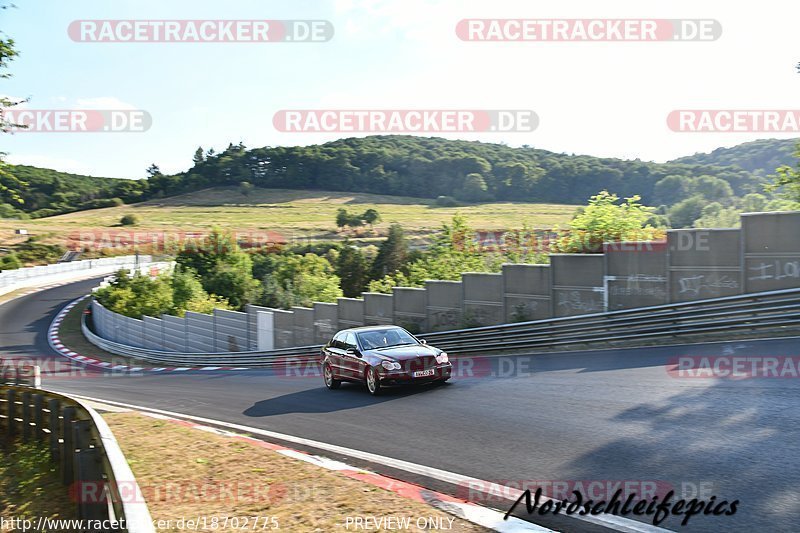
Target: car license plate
(424, 373)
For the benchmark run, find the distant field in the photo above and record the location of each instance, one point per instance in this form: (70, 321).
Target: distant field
(292, 213)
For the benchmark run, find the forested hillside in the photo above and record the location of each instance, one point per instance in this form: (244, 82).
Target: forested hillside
(38, 192)
(761, 157)
(431, 167)
(409, 166)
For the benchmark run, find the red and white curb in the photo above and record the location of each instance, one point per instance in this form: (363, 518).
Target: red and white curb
(55, 343)
(463, 509)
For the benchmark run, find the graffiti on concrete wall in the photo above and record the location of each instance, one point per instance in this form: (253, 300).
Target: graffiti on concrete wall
(776, 270)
(706, 283)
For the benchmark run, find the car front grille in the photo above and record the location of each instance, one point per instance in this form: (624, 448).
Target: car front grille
(420, 363)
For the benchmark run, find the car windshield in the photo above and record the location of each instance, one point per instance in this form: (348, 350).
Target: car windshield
(383, 338)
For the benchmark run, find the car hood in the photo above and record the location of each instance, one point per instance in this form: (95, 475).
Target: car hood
(404, 353)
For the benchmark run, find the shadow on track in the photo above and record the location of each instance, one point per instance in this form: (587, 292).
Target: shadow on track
(322, 400)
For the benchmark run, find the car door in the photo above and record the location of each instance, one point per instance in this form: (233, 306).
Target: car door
(353, 362)
(336, 353)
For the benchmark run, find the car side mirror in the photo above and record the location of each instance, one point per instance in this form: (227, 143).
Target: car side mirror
(351, 351)
(423, 341)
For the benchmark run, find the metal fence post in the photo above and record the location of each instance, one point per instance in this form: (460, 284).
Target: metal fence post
(38, 416)
(89, 484)
(11, 414)
(68, 447)
(54, 406)
(26, 416)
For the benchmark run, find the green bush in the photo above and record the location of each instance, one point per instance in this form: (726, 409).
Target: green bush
(10, 262)
(174, 294)
(447, 201)
(129, 220)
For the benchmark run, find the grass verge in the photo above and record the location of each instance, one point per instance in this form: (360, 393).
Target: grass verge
(185, 473)
(72, 337)
(30, 485)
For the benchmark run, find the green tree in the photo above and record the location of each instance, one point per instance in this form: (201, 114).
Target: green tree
(245, 188)
(474, 188)
(342, 217)
(224, 269)
(605, 219)
(137, 296)
(672, 189)
(188, 295)
(371, 217)
(684, 213)
(300, 280)
(198, 156)
(153, 170)
(452, 253)
(753, 202)
(715, 215)
(392, 253)
(713, 189)
(787, 179)
(352, 268)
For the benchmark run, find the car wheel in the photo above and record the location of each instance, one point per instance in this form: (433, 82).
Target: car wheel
(327, 375)
(373, 381)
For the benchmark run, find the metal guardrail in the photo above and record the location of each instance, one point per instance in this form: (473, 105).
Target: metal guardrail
(20, 275)
(85, 449)
(23, 374)
(775, 312)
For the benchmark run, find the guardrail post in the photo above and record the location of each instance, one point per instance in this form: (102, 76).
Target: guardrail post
(11, 414)
(68, 447)
(54, 406)
(89, 483)
(38, 416)
(26, 416)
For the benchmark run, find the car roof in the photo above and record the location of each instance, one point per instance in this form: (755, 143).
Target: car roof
(371, 328)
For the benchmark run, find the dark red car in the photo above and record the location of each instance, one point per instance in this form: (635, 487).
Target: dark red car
(381, 356)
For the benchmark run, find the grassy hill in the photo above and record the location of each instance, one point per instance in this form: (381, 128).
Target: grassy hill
(294, 214)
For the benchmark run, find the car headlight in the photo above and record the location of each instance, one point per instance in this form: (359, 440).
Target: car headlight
(442, 358)
(390, 365)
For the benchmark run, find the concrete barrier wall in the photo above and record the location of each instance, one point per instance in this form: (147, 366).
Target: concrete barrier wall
(443, 305)
(704, 263)
(303, 326)
(483, 299)
(692, 264)
(526, 292)
(326, 321)
(174, 333)
(199, 332)
(771, 243)
(378, 309)
(132, 331)
(636, 274)
(153, 333)
(577, 284)
(351, 312)
(409, 308)
(283, 322)
(230, 331)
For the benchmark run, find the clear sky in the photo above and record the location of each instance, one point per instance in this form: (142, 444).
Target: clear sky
(604, 99)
